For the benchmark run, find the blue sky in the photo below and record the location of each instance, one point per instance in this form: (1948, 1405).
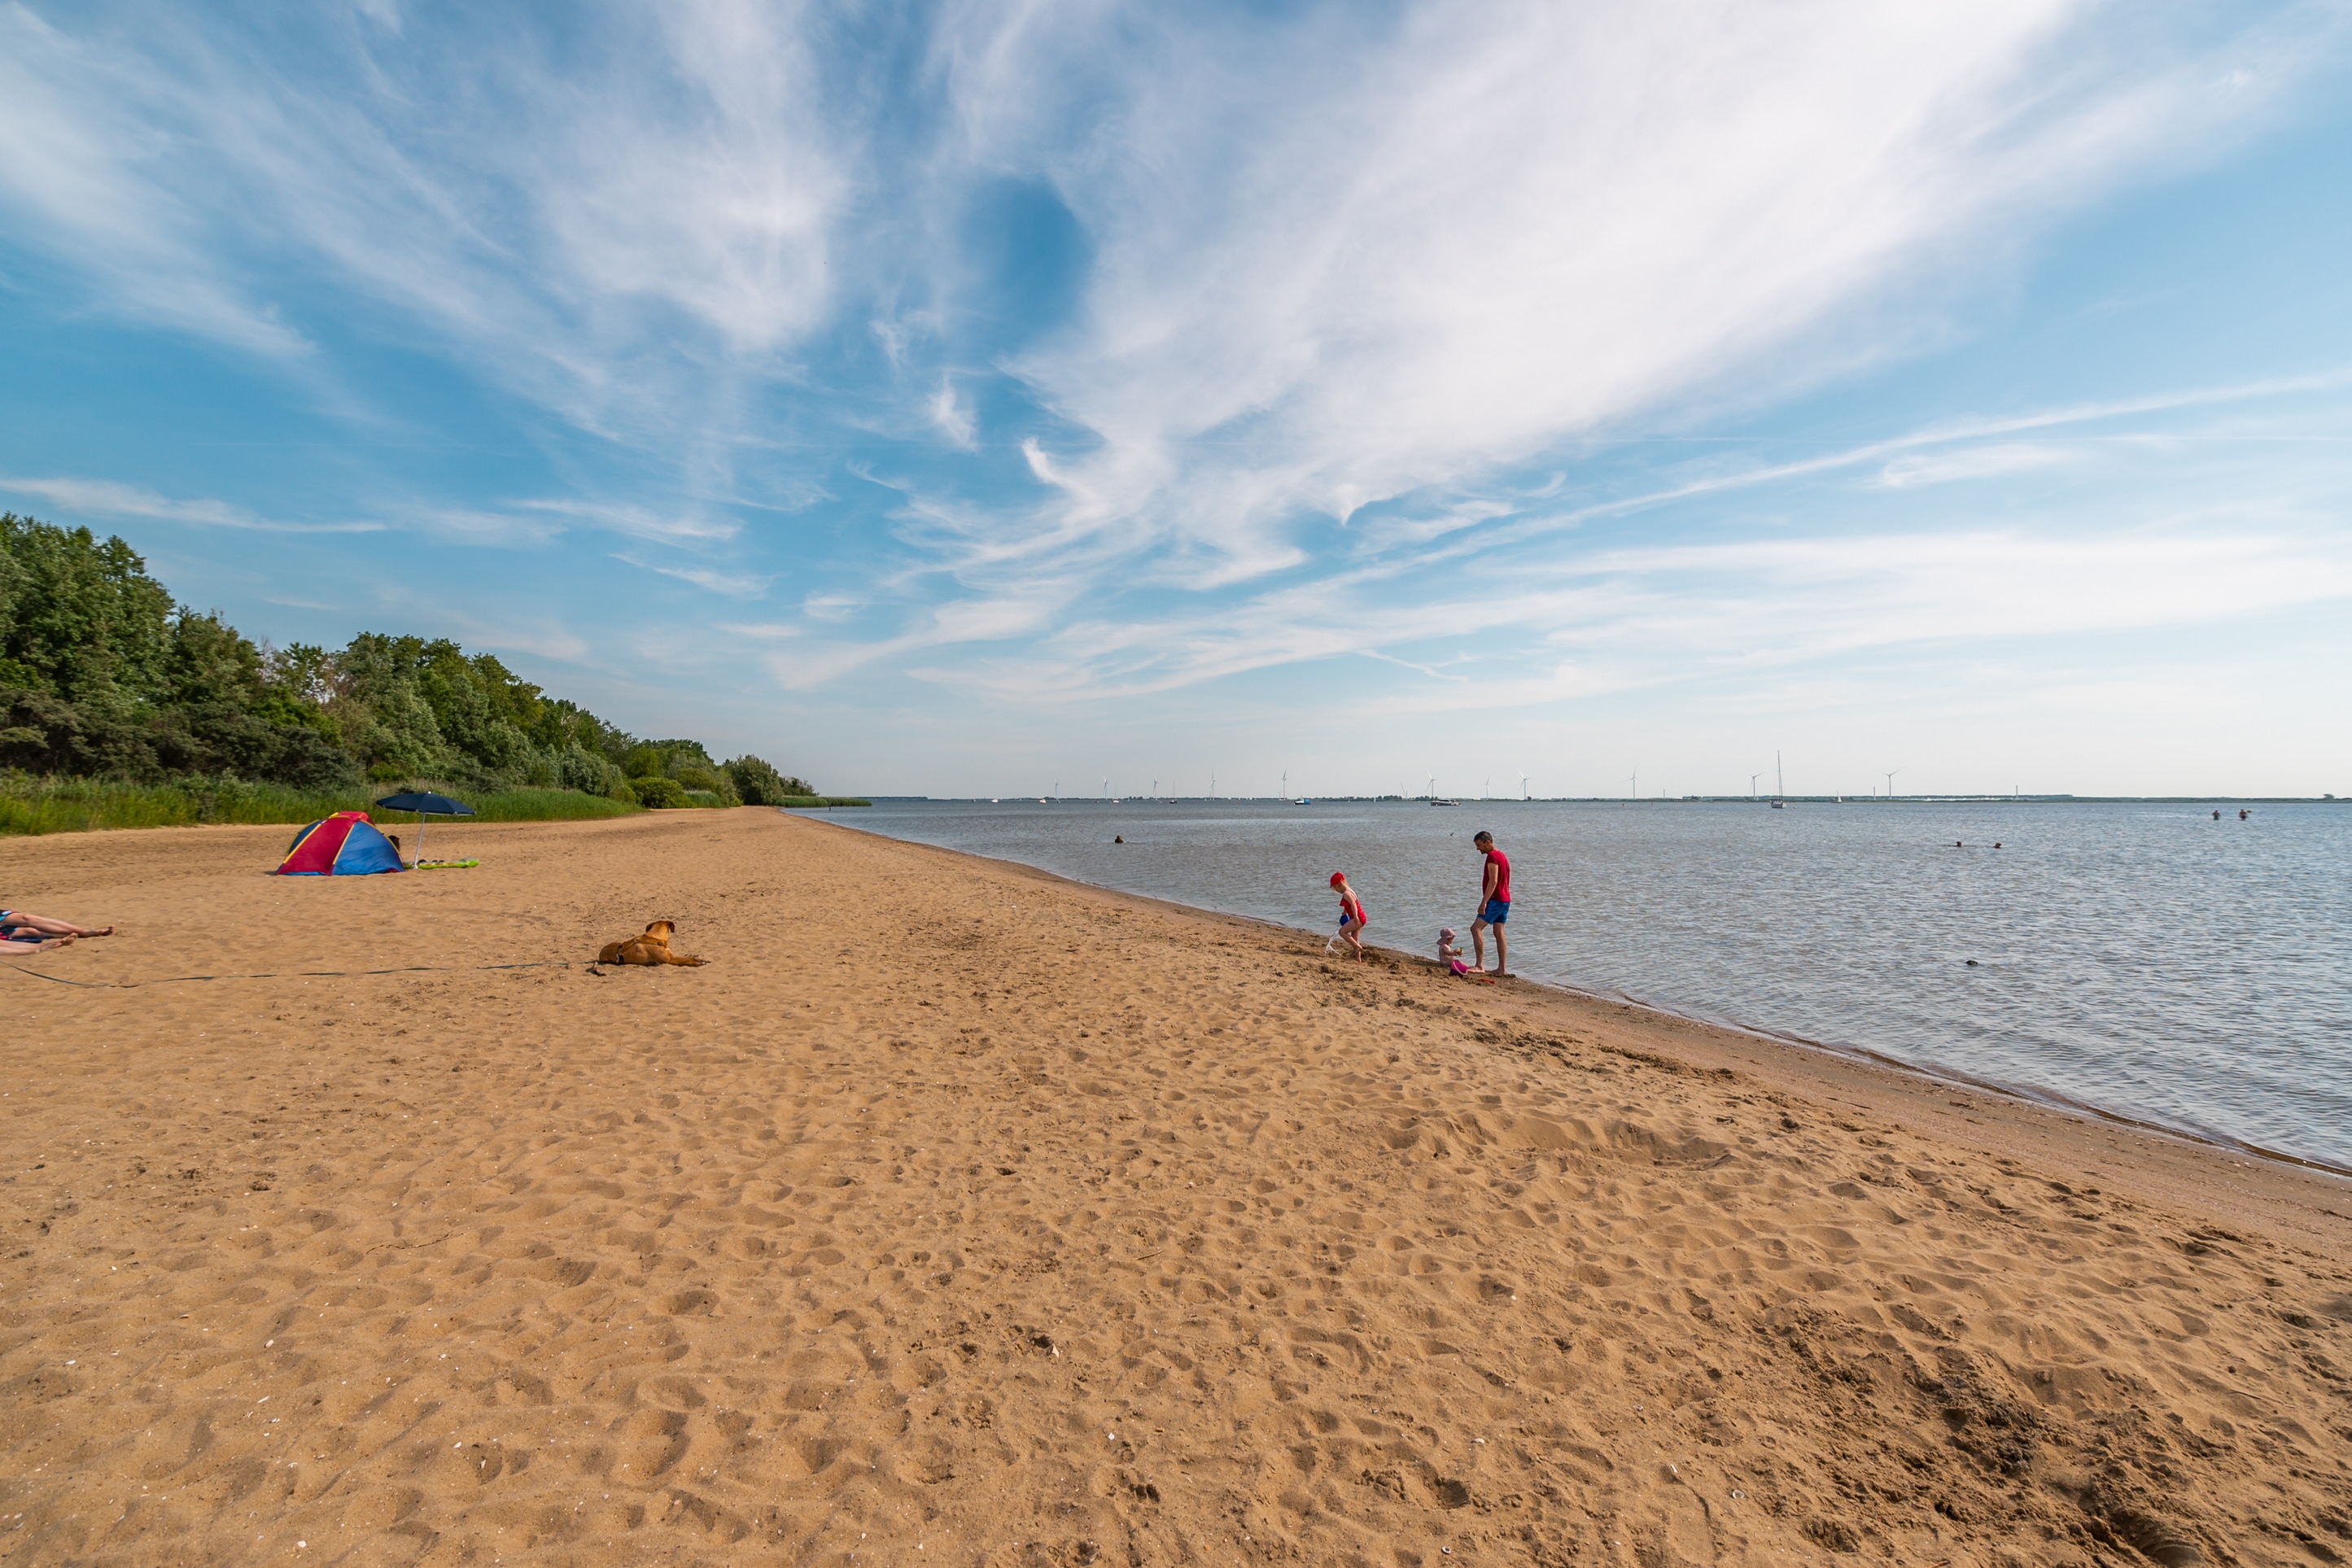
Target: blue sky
(969, 398)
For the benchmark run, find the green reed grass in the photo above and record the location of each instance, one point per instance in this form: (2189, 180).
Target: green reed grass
(29, 806)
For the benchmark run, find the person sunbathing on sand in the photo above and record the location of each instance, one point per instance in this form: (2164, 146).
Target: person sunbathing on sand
(22, 930)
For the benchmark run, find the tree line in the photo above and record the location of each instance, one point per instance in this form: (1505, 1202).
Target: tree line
(102, 675)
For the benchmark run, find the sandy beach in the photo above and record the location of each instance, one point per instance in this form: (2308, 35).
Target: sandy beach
(957, 1214)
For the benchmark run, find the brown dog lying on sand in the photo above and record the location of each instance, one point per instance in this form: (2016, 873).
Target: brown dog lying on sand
(653, 947)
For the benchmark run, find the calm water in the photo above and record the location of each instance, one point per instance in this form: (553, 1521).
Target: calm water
(2141, 958)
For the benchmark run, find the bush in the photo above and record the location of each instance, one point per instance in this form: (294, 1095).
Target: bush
(658, 793)
(577, 767)
(758, 783)
(539, 806)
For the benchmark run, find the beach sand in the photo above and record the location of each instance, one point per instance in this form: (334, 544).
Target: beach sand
(956, 1214)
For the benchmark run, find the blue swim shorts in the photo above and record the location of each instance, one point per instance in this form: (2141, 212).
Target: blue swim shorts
(1497, 910)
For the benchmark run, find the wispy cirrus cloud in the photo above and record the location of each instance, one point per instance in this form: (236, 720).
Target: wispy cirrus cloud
(1674, 613)
(1976, 463)
(592, 212)
(1447, 241)
(734, 585)
(684, 522)
(111, 500)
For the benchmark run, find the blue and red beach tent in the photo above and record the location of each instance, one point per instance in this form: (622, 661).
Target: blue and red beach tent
(345, 844)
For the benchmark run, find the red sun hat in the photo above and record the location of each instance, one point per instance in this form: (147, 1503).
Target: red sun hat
(1338, 877)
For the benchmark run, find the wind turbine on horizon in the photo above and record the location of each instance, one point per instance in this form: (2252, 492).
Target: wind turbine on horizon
(1890, 781)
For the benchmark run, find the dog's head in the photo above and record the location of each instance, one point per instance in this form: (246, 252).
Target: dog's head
(659, 930)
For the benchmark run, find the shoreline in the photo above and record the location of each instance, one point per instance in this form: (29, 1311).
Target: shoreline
(1796, 1050)
(2045, 1098)
(960, 1212)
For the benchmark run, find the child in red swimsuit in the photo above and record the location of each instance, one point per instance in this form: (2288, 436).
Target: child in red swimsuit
(1352, 918)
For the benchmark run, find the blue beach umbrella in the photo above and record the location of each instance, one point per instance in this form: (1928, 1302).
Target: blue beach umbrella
(439, 805)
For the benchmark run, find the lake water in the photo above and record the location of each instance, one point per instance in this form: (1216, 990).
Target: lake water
(2141, 958)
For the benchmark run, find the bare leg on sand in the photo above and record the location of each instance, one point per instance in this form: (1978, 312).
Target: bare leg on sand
(1478, 930)
(16, 919)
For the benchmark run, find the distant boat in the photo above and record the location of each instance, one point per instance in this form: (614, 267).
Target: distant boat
(1445, 802)
(1302, 801)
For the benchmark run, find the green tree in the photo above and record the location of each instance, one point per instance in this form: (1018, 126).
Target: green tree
(758, 784)
(100, 675)
(81, 620)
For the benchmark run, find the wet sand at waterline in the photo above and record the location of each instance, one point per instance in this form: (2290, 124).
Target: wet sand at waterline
(957, 1214)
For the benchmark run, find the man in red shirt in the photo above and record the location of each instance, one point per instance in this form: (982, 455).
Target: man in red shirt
(1494, 904)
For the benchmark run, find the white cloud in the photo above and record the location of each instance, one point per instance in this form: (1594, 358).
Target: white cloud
(82, 498)
(660, 524)
(1987, 462)
(79, 170)
(955, 421)
(831, 606)
(545, 642)
(1615, 619)
(593, 214)
(734, 585)
(1339, 260)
